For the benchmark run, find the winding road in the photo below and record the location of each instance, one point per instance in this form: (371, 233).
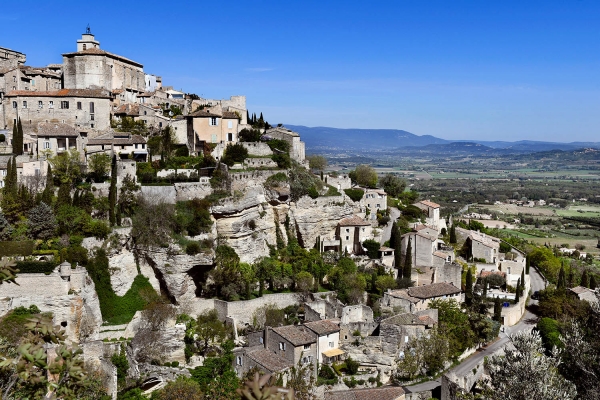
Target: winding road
(526, 323)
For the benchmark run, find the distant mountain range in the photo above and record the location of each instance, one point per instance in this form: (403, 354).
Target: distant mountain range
(325, 138)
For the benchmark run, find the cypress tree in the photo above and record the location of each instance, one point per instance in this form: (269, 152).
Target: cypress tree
(485, 285)
(562, 279)
(48, 192)
(518, 292)
(585, 279)
(398, 257)
(527, 265)
(522, 280)
(112, 193)
(248, 120)
(593, 283)
(452, 235)
(407, 271)
(64, 195)
(393, 235)
(469, 288)
(497, 310)
(19, 144)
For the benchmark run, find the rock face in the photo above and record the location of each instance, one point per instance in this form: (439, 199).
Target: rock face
(248, 223)
(319, 217)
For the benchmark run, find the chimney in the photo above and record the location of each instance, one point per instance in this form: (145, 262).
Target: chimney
(267, 336)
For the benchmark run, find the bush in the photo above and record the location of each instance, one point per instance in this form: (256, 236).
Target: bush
(192, 248)
(372, 247)
(234, 153)
(23, 248)
(283, 160)
(354, 194)
(351, 366)
(327, 376)
(276, 180)
(36, 267)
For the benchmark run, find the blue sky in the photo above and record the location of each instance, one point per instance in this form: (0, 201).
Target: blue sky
(491, 70)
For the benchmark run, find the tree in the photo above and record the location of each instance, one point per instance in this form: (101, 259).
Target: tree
(17, 138)
(392, 184)
(263, 388)
(127, 196)
(301, 380)
(585, 279)
(385, 282)
(522, 280)
(42, 222)
(497, 310)
(372, 247)
(525, 372)
(485, 288)
(407, 269)
(48, 192)
(67, 167)
(64, 195)
(318, 163)
(234, 153)
(152, 224)
(452, 234)
(562, 283)
(394, 236)
(209, 329)
(227, 267)
(365, 175)
(469, 288)
(518, 291)
(593, 283)
(98, 166)
(112, 193)
(6, 230)
(181, 389)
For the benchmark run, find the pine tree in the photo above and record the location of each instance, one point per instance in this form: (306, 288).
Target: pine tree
(112, 193)
(593, 283)
(407, 271)
(6, 229)
(585, 279)
(42, 222)
(518, 291)
(469, 288)
(562, 282)
(452, 234)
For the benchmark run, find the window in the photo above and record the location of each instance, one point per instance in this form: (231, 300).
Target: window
(40, 104)
(14, 78)
(14, 104)
(92, 126)
(230, 124)
(79, 105)
(347, 230)
(331, 344)
(91, 117)
(84, 46)
(51, 104)
(307, 347)
(347, 237)
(46, 145)
(160, 124)
(213, 121)
(405, 339)
(261, 340)
(24, 104)
(64, 105)
(136, 145)
(143, 145)
(378, 206)
(282, 346)
(230, 137)
(238, 360)
(145, 112)
(33, 82)
(91, 107)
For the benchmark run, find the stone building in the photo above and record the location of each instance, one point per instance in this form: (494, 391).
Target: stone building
(395, 332)
(352, 232)
(431, 211)
(211, 126)
(31, 171)
(56, 138)
(380, 393)
(90, 67)
(122, 144)
(483, 247)
(418, 298)
(297, 147)
(328, 340)
(374, 200)
(80, 108)
(11, 58)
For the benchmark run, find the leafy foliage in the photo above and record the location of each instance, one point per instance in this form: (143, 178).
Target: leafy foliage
(355, 194)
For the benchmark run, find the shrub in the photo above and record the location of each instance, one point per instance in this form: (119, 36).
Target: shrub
(327, 376)
(36, 267)
(23, 248)
(283, 160)
(372, 247)
(2, 137)
(354, 194)
(234, 153)
(276, 180)
(192, 248)
(351, 366)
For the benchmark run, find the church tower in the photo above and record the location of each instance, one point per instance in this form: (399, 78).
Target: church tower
(87, 41)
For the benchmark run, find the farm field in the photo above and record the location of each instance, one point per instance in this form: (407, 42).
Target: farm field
(512, 209)
(579, 211)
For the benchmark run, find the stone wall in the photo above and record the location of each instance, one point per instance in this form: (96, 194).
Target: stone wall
(450, 273)
(241, 180)
(243, 311)
(166, 172)
(165, 194)
(339, 182)
(259, 162)
(191, 190)
(257, 148)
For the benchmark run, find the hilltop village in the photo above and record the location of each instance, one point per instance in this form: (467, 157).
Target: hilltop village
(155, 241)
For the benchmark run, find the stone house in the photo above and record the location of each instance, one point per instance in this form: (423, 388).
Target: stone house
(233, 103)
(484, 247)
(122, 144)
(395, 332)
(583, 293)
(246, 358)
(352, 232)
(29, 169)
(297, 147)
(321, 309)
(373, 200)
(56, 138)
(357, 318)
(339, 181)
(11, 58)
(431, 211)
(80, 108)
(423, 246)
(328, 340)
(418, 298)
(380, 393)
(211, 126)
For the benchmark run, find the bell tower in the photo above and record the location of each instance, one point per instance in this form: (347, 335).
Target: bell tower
(87, 41)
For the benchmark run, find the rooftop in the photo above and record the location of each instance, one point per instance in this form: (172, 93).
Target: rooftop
(57, 130)
(381, 393)
(429, 204)
(269, 360)
(295, 335)
(433, 290)
(409, 319)
(98, 52)
(203, 114)
(93, 93)
(323, 327)
(355, 220)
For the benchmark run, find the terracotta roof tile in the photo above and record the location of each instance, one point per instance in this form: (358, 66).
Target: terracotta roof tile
(230, 115)
(429, 204)
(381, 393)
(269, 360)
(203, 114)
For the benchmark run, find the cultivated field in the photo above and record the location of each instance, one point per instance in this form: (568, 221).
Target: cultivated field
(579, 211)
(512, 209)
